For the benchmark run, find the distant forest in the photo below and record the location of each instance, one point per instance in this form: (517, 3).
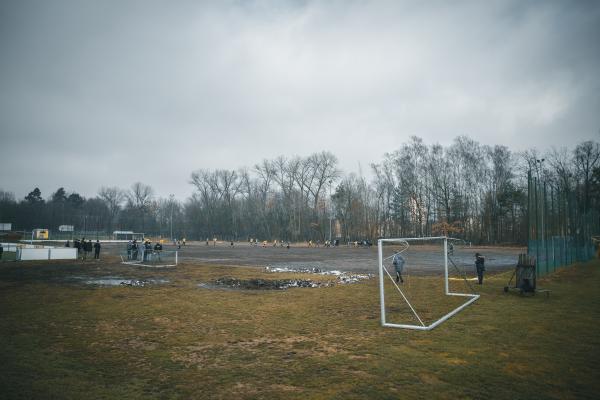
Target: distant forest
(468, 190)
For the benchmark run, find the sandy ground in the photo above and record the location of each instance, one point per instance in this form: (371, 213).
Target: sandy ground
(420, 259)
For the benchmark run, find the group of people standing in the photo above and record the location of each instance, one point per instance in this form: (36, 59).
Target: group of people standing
(133, 248)
(84, 247)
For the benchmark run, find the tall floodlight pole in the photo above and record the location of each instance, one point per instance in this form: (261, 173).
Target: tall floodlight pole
(171, 197)
(330, 212)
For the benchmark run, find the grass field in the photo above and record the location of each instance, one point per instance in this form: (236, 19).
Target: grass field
(65, 340)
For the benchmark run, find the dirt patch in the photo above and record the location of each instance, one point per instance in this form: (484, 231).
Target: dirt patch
(336, 277)
(262, 284)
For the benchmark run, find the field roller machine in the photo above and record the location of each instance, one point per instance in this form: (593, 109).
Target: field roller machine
(525, 277)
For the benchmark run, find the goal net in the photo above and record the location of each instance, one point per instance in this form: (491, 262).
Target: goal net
(423, 281)
(149, 258)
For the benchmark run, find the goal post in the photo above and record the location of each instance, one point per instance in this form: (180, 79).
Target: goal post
(404, 244)
(150, 258)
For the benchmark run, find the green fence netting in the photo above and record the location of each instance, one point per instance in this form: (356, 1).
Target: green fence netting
(560, 227)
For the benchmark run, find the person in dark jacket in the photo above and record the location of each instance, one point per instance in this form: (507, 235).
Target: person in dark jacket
(83, 247)
(147, 251)
(1, 251)
(398, 262)
(134, 250)
(97, 250)
(88, 247)
(157, 250)
(479, 267)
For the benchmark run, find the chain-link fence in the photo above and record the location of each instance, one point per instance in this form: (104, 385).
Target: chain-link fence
(560, 228)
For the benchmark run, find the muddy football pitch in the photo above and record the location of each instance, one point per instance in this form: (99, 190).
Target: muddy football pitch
(421, 259)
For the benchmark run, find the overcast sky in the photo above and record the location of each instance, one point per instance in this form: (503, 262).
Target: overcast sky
(113, 92)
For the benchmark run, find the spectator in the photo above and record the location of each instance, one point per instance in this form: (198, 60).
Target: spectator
(147, 250)
(134, 250)
(87, 248)
(479, 267)
(97, 250)
(158, 249)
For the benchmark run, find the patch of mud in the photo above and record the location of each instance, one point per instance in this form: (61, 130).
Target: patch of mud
(262, 284)
(341, 277)
(117, 281)
(338, 278)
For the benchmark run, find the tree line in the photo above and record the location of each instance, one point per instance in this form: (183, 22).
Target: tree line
(113, 208)
(468, 190)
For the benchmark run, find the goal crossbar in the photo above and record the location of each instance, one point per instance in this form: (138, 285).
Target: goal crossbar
(423, 327)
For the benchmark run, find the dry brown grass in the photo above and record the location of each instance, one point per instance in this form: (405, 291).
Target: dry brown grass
(66, 340)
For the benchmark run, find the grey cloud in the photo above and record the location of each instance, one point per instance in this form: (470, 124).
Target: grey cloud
(108, 93)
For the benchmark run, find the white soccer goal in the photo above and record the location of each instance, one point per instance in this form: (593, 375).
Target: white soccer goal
(150, 258)
(440, 250)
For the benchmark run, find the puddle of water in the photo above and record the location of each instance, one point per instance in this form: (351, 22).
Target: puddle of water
(117, 281)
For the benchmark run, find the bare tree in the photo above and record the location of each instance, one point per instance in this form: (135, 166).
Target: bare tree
(139, 199)
(586, 157)
(562, 169)
(140, 195)
(324, 169)
(266, 176)
(113, 197)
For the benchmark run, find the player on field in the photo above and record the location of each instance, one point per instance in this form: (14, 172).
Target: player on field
(398, 262)
(479, 267)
